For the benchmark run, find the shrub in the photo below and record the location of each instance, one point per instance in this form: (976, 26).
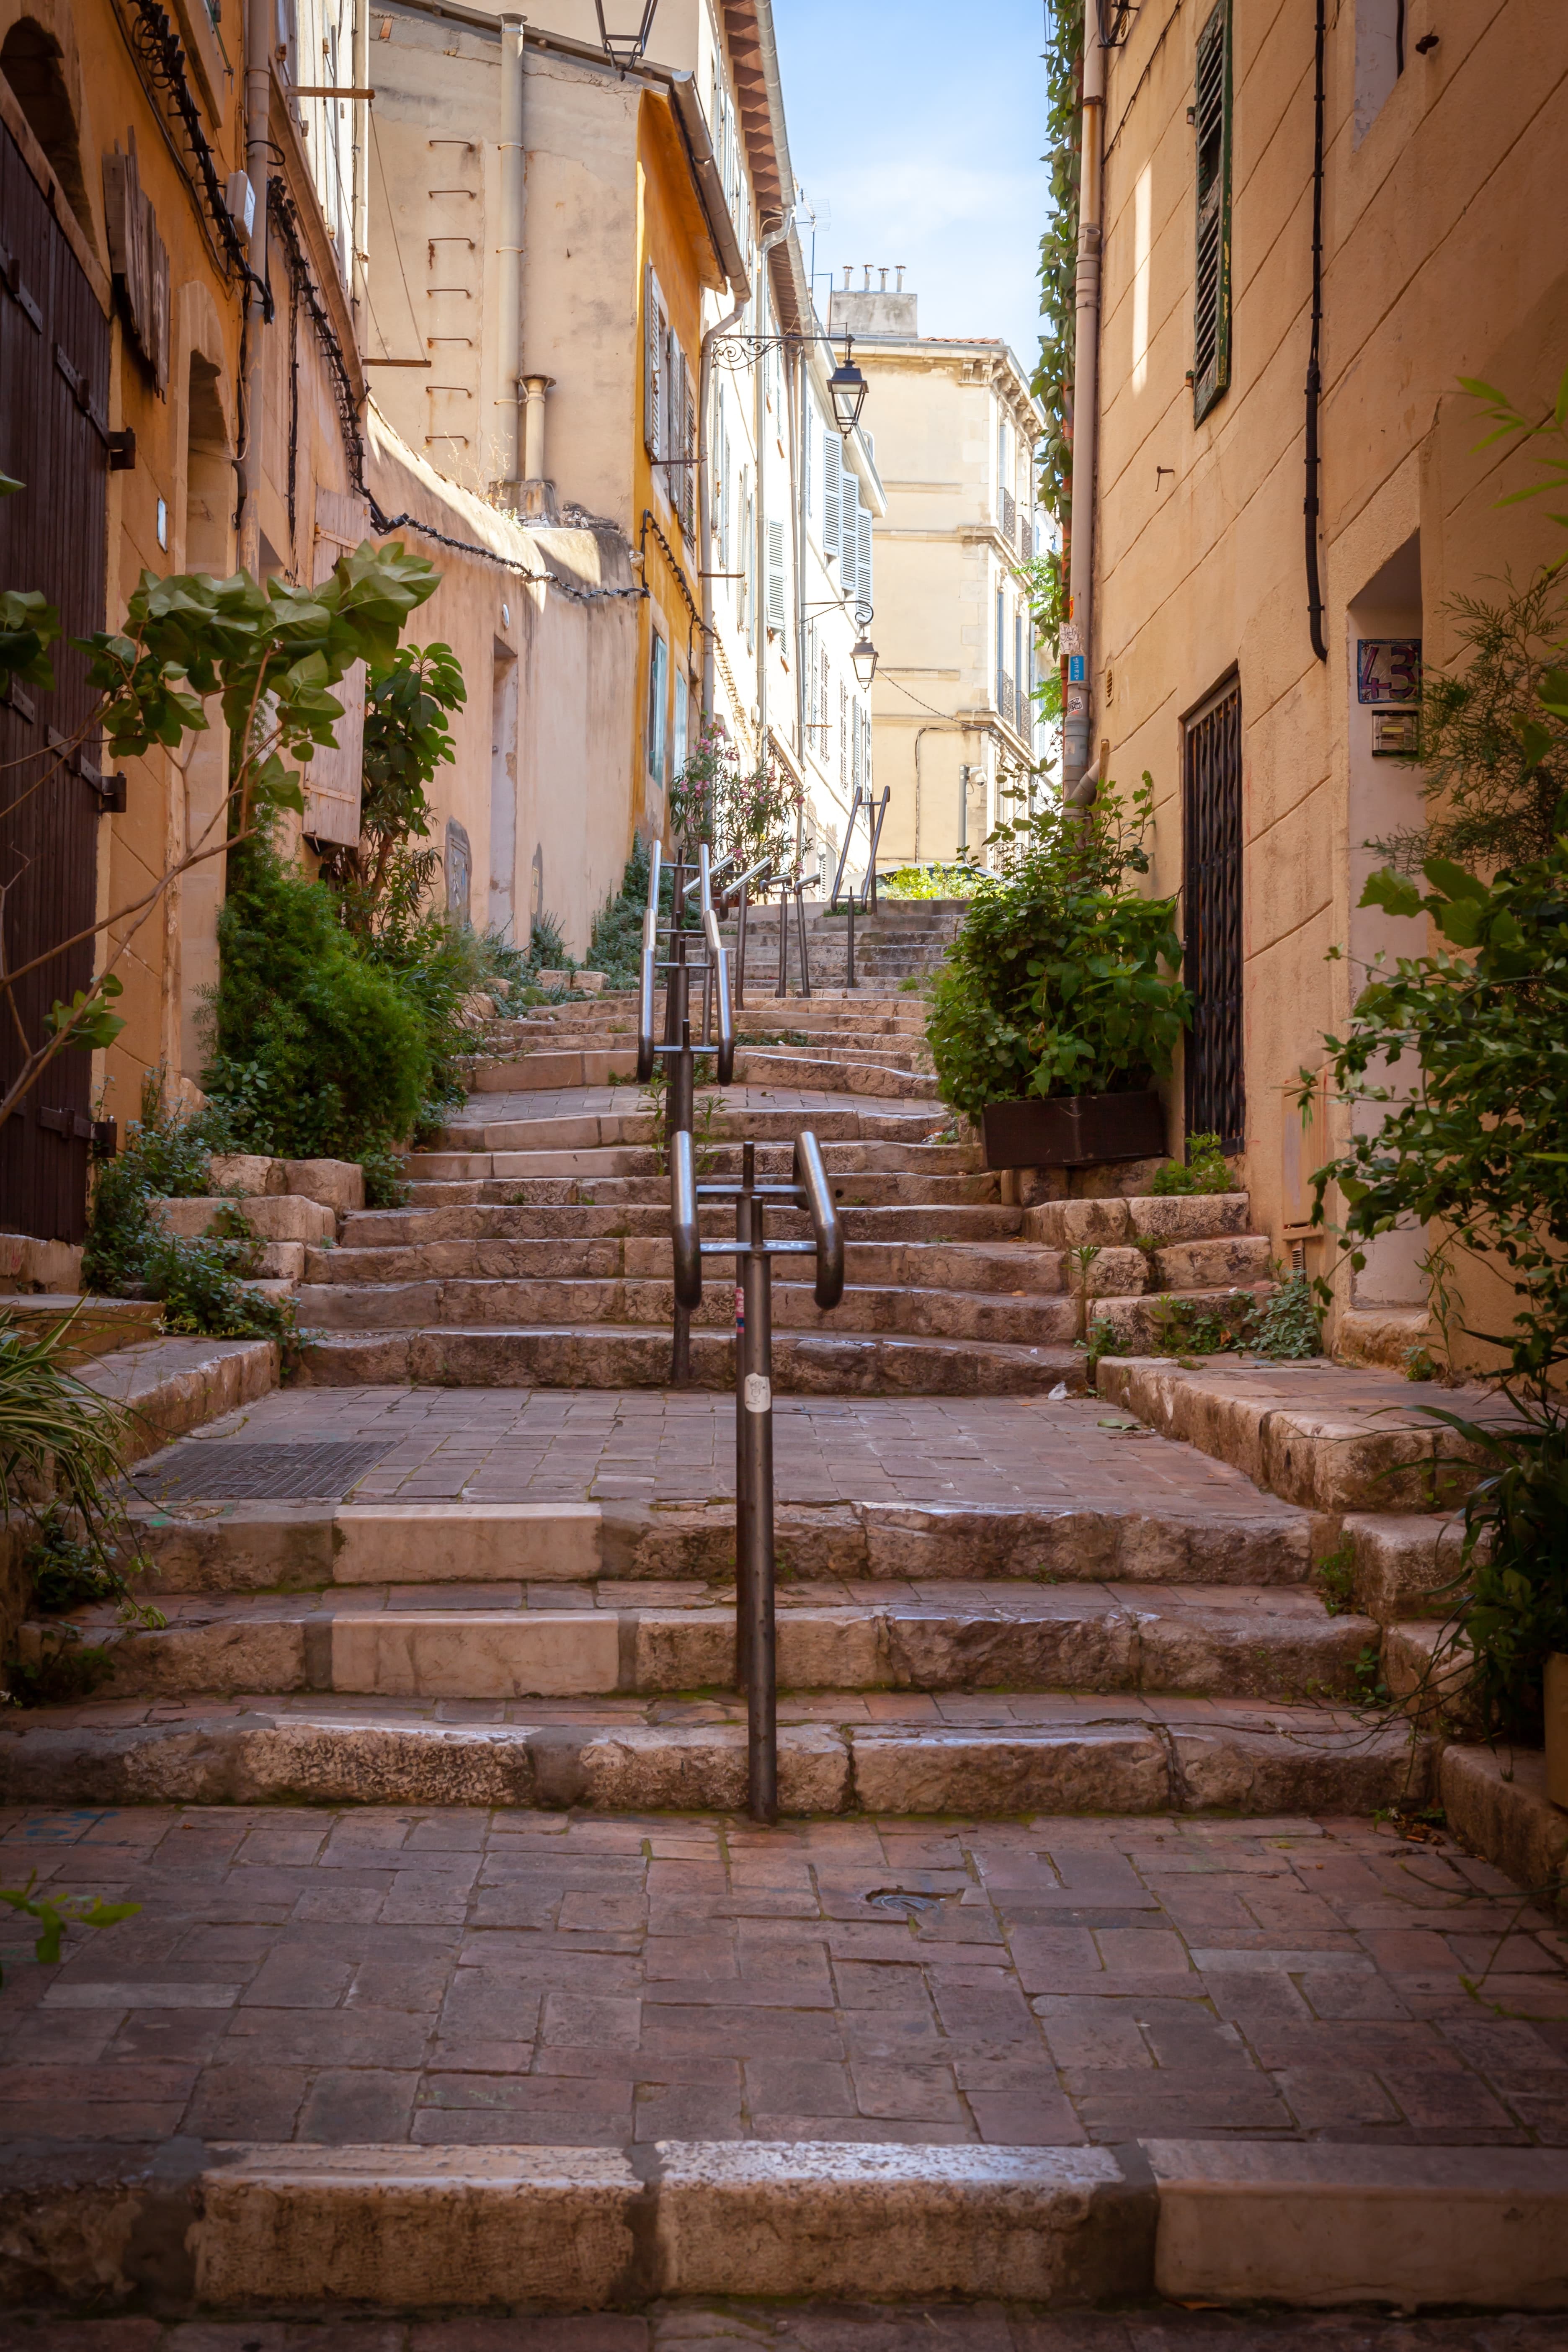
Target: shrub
(1062, 979)
(615, 946)
(317, 1051)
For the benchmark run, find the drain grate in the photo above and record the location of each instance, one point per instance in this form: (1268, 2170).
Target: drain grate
(210, 1473)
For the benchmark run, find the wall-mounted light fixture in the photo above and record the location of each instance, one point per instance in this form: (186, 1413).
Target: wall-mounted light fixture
(625, 48)
(847, 386)
(863, 661)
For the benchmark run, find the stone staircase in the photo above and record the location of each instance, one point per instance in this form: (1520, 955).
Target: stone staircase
(1149, 1655)
(905, 940)
(535, 1247)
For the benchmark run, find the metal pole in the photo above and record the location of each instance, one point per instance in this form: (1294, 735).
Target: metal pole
(741, 951)
(743, 1206)
(782, 988)
(849, 979)
(756, 1588)
(800, 935)
(677, 1117)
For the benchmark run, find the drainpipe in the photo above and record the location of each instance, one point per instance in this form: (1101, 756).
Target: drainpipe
(797, 453)
(360, 230)
(1314, 372)
(1077, 722)
(258, 153)
(760, 434)
(511, 398)
(704, 491)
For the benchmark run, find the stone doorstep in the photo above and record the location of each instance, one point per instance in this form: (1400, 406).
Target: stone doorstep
(227, 2226)
(996, 1637)
(98, 1326)
(258, 1547)
(618, 1356)
(170, 1386)
(1255, 1761)
(1328, 1438)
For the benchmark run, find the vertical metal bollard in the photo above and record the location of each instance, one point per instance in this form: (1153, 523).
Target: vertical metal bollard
(754, 1472)
(782, 988)
(677, 1103)
(743, 1503)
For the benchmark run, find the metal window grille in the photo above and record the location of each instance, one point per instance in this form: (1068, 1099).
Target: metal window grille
(1212, 118)
(1212, 852)
(1009, 517)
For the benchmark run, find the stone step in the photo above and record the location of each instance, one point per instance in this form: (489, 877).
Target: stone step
(560, 1249)
(1138, 1324)
(515, 1641)
(196, 1547)
(898, 1155)
(326, 2230)
(1317, 1433)
(893, 1073)
(168, 1386)
(868, 1309)
(838, 1753)
(732, 1122)
(649, 1193)
(826, 1362)
(957, 1224)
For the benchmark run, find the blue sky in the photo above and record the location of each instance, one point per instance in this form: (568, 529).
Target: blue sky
(916, 133)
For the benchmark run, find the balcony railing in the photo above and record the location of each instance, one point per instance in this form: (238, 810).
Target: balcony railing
(1009, 517)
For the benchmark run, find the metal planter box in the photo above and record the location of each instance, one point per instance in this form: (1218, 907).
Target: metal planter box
(1073, 1131)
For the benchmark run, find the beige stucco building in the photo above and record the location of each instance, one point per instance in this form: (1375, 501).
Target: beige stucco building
(1442, 155)
(953, 430)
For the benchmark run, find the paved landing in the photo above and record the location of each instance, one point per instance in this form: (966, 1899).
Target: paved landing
(463, 1976)
(541, 1445)
(686, 2326)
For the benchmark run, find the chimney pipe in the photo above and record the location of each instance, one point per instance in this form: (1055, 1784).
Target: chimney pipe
(884, 281)
(509, 397)
(902, 266)
(537, 494)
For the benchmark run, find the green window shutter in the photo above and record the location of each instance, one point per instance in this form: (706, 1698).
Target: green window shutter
(1212, 116)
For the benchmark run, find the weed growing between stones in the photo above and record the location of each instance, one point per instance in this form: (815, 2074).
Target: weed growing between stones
(1335, 1577)
(55, 1914)
(1205, 1171)
(204, 1285)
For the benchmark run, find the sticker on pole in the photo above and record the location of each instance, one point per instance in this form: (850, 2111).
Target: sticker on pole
(758, 1393)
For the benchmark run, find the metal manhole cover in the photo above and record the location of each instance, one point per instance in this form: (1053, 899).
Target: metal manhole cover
(895, 1898)
(210, 1473)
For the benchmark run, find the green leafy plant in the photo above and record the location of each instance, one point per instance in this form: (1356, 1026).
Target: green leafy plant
(29, 626)
(408, 697)
(1290, 1323)
(1059, 250)
(269, 657)
(1335, 1577)
(386, 1184)
(1062, 979)
(55, 1914)
(957, 881)
(752, 812)
(1205, 1171)
(204, 1284)
(62, 1446)
(615, 945)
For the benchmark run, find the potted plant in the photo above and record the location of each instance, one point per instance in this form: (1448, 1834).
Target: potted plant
(1059, 1005)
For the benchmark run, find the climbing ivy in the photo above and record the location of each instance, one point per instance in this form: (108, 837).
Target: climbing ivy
(1052, 385)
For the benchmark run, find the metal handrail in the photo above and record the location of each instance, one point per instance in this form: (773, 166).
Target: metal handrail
(756, 1625)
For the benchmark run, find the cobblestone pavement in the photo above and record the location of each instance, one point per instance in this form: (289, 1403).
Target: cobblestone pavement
(457, 1977)
(641, 1445)
(804, 2328)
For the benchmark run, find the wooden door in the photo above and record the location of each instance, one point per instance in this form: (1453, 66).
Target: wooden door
(54, 389)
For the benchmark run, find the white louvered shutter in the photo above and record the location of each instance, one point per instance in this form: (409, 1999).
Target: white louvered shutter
(863, 561)
(830, 484)
(776, 580)
(849, 536)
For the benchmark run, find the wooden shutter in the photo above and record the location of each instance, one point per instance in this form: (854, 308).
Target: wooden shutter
(776, 580)
(333, 779)
(863, 556)
(849, 538)
(688, 449)
(1211, 115)
(652, 365)
(1212, 812)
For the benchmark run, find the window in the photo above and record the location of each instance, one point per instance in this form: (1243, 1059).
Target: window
(1002, 654)
(657, 708)
(1211, 326)
(1211, 892)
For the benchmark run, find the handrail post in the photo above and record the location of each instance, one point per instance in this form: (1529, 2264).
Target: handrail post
(782, 988)
(756, 1560)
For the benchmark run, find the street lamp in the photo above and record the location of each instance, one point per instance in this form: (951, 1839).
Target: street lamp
(626, 50)
(847, 386)
(863, 660)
